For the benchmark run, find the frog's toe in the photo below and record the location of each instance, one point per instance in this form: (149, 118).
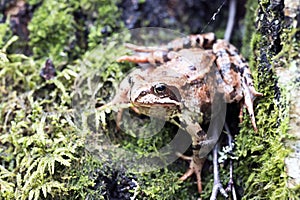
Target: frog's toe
(249, 95)
(133, 59)
(195, 167)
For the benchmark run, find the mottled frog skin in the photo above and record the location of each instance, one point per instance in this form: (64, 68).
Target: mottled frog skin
(185, 75)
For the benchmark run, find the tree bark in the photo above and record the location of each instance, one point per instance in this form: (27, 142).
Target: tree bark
(278, 24)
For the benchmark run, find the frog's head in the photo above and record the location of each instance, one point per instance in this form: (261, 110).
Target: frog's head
(153, 92)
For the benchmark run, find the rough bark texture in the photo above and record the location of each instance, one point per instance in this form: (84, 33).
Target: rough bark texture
(289, 78)
(276, 55)
(278, 25)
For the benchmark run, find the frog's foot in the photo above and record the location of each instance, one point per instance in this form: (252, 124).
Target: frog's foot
(195, 167)
(249, 95)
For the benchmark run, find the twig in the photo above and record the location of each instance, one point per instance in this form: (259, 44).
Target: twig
(231, 19)
(217, 183)
(230, 186)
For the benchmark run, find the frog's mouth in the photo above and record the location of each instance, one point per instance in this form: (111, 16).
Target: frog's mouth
(154, 101)
(158, 109)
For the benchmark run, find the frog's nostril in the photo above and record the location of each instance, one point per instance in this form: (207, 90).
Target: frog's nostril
(143, 93)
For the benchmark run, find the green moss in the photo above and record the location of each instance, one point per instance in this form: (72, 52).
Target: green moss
(249, 23)
(41, 152)
(37, 144)
(164, 184)
(82, 25)
(5, 33)
(49, 37)
(262, 154)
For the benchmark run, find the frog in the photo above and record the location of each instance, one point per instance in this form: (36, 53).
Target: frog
(184, 77)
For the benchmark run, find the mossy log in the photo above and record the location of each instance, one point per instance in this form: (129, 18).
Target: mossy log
(273, 156)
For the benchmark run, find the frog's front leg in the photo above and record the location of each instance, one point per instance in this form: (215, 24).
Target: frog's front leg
(196, 163)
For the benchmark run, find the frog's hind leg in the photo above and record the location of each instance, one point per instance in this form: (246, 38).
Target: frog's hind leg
(248, 102)
(142, 54)
(205, 41)
(247, 84)
(236, 74)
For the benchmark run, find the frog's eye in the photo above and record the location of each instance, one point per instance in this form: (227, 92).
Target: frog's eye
(160, 88)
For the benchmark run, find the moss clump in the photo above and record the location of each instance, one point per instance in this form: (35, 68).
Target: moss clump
(262, 154)
(5, 34)
(50, 37)
(249, 22)
(42, 152)
(42, 155)
(82, 25)
(37, 143)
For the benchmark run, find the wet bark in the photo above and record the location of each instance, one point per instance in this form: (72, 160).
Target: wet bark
(278, 25)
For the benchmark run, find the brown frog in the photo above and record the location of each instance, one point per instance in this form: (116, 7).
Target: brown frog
(183, 77)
